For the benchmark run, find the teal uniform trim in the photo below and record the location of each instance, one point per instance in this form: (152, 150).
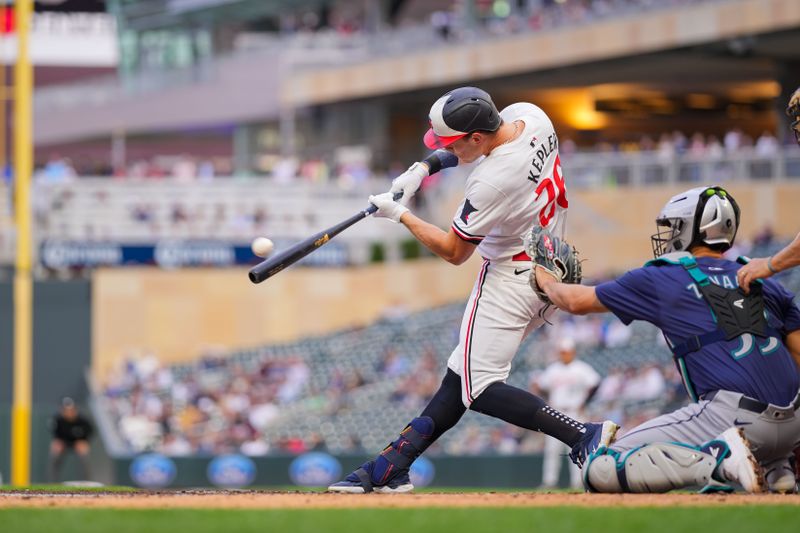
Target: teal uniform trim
(686, 381)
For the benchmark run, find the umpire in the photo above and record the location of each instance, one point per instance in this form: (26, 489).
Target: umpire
(71, 432)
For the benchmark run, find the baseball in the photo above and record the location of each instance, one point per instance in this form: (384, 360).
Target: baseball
(262, 246)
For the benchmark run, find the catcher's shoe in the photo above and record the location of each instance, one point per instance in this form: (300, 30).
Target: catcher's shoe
(780, 477)
(597, 437)
(361, 481)
(740, 465)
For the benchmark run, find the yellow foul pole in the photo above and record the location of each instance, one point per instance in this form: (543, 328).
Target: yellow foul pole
(23, 288)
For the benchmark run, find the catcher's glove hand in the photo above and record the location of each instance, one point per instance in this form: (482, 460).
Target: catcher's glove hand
(557, 257)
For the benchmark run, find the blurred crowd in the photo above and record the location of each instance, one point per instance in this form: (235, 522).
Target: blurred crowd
(185, 168)
(502, 17)
(217, 406)
(223, 404)
(459, 20)
(353, 174)
(668, 146)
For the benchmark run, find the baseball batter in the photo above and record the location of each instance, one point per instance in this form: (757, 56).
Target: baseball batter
(518, 182)
(738, 355)
(569, 384)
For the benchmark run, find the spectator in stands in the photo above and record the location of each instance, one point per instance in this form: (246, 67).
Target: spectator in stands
(441, 22)
(394, 364)
(764, 237)
(644, 384)
(502, 441)
(714, 148)
(733, 140)
(71, 433)
(175, 445)
(255, 446)
(666, 148)
(57, 170)
(767, 145)
(697, 145)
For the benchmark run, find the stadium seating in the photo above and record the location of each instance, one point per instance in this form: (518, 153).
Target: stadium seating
(354, 389)
(231, 209)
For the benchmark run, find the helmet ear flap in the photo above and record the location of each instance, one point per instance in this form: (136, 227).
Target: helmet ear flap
(718, 234)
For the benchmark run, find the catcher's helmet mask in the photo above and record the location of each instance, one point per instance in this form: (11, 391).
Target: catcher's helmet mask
(714, 221)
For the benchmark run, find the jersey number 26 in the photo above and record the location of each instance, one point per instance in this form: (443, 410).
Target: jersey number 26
(556, 194)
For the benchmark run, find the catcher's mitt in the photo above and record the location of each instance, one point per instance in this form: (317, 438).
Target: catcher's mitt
(793, 110)
(557, 257)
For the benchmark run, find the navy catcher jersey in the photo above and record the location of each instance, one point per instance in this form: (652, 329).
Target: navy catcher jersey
(666, 296)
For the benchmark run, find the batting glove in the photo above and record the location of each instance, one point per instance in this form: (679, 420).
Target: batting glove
(409, 181)
(387, 207)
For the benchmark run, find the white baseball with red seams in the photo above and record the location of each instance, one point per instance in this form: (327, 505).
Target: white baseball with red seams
(518, 184)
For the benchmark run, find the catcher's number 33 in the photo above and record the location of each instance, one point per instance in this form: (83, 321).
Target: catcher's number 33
(557, 257)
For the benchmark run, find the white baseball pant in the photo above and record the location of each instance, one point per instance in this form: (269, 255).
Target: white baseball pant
(501, 311)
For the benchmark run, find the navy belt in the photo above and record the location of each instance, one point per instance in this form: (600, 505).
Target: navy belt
(750, 404)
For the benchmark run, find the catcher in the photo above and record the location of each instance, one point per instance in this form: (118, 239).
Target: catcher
(737, 353)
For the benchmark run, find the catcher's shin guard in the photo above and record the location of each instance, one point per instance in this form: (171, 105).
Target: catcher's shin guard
(652, 468)
(399, 455)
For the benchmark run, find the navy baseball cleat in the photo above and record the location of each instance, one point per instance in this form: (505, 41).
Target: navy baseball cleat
(597, 437)
(361, 481)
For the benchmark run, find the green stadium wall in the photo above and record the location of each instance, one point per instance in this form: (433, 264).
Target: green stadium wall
(61, 356)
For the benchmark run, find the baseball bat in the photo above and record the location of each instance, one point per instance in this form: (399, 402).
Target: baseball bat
(266, 269)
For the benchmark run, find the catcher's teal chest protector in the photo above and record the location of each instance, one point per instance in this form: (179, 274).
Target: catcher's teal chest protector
(734, 312)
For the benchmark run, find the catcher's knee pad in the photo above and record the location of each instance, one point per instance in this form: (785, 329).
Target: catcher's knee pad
(659, 467)
(413, 440)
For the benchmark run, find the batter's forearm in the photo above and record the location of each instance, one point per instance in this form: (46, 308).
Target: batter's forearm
(788, 257)
(440, 242)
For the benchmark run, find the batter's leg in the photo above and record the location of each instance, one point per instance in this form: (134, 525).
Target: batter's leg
(389, 471)
(575, 477)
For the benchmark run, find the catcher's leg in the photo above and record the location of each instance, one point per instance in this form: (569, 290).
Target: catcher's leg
(780, 476)
(661, 467)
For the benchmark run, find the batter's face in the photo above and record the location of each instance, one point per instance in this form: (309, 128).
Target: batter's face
(469, 148)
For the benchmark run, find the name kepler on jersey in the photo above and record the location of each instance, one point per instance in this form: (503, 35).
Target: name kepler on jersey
(543, 151)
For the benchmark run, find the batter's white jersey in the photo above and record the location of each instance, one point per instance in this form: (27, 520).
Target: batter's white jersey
(568, 386)
(518, 184)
